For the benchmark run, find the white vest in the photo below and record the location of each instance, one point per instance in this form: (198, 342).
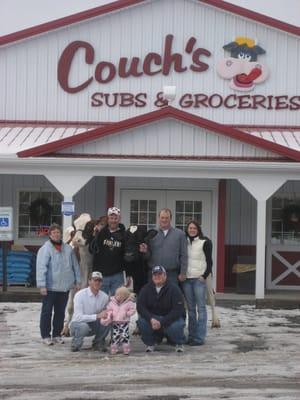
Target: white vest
(196, 258)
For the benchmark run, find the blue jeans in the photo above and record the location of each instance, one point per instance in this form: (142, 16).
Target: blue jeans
(56, 301)
(174, 332)
(195, 295)
(79, 330)
(111, 283)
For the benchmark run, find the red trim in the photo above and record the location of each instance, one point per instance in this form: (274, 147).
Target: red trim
(167, 112)
(221, 236)
(110, 191)
(69, 20)
(96, 124)
(81, 124)
(157, 157)
(257, 17)
(118, 5)
(266, 127)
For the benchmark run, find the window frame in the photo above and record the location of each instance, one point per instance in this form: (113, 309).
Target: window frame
(31, 240)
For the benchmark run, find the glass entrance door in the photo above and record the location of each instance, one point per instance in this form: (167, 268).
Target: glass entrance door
(141, 207)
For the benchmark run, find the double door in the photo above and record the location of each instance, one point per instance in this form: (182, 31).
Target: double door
(141, 207)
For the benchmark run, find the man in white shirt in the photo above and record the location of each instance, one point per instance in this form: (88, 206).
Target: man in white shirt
(89, 308)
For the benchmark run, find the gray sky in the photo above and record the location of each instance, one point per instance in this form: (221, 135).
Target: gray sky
(20, 14)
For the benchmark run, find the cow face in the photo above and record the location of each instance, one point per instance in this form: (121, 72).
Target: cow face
(134, 236)
(80, 224)
(242, 68)
(68, 234)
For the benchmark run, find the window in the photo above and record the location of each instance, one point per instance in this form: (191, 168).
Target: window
(187, 210)
(143, 213)
(37, 211)
(280, 232)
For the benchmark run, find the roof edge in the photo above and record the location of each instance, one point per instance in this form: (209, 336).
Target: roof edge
(95, 124)
(118, 5)
(153, 116)
(68, 20)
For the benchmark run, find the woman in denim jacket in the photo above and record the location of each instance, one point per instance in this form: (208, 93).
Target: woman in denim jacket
(57, 271)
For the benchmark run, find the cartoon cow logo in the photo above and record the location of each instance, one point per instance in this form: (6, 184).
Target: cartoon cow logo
(242, 67)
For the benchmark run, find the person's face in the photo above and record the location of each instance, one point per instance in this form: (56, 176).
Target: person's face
(95, 284)
(192, 230)
(120, 297)
(159, 278)
(55, 235)
(164, 220)
(113, 221)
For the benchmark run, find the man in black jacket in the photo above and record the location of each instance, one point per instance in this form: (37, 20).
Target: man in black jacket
(161, 311)
(107, 248)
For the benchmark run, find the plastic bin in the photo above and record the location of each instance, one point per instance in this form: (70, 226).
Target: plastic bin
(245, 270)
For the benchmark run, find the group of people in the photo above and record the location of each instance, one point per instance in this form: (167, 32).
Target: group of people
(178, 265)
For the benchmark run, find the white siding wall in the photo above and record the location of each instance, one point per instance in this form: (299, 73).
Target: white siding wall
(240, 215)
(91, 198)
(28, 69)
(241, 212)
(169, 138)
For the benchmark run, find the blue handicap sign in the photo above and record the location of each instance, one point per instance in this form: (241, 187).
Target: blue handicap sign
(4, 222)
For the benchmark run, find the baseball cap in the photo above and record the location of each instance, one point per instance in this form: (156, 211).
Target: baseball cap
(158, 270)
(113, 210)
(96, 275)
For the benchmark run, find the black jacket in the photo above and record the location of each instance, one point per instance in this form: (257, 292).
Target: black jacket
(108, 251)
(168, 303)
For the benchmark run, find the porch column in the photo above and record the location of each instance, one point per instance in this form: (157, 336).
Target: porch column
(68, 186)
(261, 188)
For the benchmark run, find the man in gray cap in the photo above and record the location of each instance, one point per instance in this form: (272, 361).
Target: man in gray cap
(89, 308)
(161, 311)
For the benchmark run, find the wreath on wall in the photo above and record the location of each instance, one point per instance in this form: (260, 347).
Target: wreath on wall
(291, 217)
(40, 211)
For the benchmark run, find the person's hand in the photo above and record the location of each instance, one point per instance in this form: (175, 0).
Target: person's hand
(143, 248)
(97, 228)
(181, 277)
(102, 314)
(43, 291)
(155, 324)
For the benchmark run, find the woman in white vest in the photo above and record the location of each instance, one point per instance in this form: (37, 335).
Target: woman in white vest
(194, 287)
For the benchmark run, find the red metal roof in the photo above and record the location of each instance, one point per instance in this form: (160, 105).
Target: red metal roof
(118, 5)
(287, 147)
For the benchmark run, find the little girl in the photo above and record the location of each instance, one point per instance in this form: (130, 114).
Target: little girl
(119, 310)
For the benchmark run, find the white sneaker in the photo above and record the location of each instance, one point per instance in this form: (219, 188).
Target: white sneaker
(47, 341)
(149, 349)
(179, 348)
(58, 340)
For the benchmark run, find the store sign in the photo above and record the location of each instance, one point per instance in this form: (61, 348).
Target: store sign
(6, 223)
(243, 69)
(151, 64)
(67, 208)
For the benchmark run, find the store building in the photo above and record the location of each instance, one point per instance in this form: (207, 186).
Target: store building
(84, 119)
